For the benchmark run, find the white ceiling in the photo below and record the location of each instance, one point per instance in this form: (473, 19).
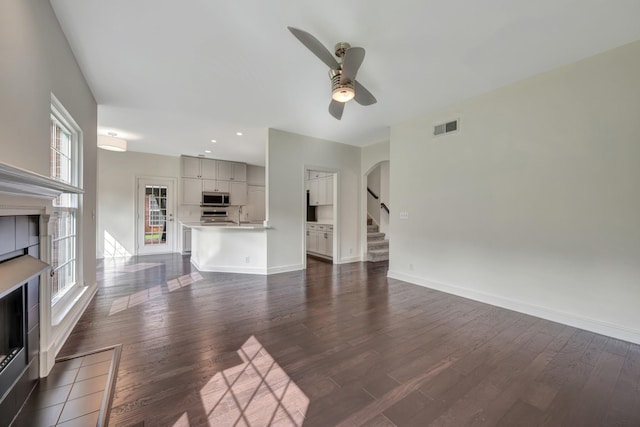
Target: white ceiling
(171, 75)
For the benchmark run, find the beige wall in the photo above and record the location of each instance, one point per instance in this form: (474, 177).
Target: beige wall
(36, 61)
(288, 156)
(117, 173)
(534, 203)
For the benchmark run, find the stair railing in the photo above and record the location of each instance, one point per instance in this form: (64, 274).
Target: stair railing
(372, 193)
(385, 207)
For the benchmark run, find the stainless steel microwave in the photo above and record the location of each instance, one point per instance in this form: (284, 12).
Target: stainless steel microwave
(214, 199)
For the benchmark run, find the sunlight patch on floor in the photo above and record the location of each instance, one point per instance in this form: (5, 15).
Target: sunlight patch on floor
(257, 392)
(128, 301)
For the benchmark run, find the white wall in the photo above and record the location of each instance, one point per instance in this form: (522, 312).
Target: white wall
(534, 204)
(288, 156)
(36, 61)
(117, 174)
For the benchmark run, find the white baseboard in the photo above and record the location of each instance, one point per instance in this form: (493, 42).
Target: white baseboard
(350, 259)
(577, 321)
(229, 269)
(285, 268)
(64, 329)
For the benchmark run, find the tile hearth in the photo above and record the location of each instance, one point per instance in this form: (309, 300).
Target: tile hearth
(76, 393)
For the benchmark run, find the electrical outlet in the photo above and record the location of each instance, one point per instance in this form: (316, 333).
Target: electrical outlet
(247, 260)
(411, 267)
(350, 251)
(404, 215)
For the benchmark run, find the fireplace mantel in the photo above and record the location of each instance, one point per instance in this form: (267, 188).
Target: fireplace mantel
(15, 272)
(19, 181)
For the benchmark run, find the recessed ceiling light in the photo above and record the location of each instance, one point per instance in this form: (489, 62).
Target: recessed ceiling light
(239, 133)
(213, 140)
(207, 151)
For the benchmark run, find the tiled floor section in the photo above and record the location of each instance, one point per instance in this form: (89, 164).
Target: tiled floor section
(73, 393)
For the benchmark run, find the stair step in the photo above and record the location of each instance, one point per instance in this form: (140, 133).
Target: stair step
(378, 255)
(377, 244)
(375, 236)
(372, 229)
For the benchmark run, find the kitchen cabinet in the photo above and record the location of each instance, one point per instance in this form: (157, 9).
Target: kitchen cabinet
(215, 185)
(312, 240)
(321, 190)
(193, 167)
(232, 171)
(239, 172)
(325, 190)
(218, 176)
(191, 191)
(314, 196)
(320, 240)
(238, 193)
(317, 174)
(186, 240)
(255, 208)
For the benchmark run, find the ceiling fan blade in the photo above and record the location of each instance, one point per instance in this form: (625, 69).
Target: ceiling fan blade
(336, 108)
(353, 58)
(315, 46)
(363, 96)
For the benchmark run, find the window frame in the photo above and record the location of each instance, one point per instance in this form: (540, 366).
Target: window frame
(61, 303)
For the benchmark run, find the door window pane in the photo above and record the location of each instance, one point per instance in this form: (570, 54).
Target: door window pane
(155, 216)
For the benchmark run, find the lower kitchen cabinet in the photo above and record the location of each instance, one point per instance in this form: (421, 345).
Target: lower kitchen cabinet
(186, 240)
(320, 240)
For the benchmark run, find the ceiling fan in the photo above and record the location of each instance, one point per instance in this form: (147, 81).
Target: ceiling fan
(342, 73)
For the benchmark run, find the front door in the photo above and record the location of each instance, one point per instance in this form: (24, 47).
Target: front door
(156, 207)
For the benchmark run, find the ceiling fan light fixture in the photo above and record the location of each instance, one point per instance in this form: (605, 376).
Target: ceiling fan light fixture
(111, 143)
(343, 93)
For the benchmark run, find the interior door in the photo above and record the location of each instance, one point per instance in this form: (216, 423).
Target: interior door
(155, 216)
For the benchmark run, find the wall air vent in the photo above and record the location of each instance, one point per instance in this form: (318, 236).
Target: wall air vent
(447, 127)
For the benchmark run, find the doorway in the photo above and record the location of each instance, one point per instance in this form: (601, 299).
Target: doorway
(155, 226)
(320, 214)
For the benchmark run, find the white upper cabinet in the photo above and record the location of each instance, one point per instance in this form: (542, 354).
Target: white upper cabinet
(239, 172)
(192, 167)
(224, 170)
(191, 191)
(320, 189)
(231, 171)
(208, 168)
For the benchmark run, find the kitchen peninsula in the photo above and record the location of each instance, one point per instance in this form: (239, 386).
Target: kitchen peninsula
(229, 247)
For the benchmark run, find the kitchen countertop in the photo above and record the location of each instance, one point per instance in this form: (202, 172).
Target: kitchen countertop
(224, 225)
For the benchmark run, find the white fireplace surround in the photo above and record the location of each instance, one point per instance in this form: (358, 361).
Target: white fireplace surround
(27, 193)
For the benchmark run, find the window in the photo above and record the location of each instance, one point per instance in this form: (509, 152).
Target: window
(64, 217)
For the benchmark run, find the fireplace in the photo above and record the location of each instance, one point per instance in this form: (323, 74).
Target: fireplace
(20, 269)
(11, 327)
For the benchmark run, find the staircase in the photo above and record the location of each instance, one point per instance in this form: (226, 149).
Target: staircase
(377, 246)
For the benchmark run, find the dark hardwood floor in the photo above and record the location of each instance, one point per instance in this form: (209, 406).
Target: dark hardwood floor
(342, 345)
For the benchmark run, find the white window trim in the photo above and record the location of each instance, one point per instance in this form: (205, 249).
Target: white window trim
(64, 304)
